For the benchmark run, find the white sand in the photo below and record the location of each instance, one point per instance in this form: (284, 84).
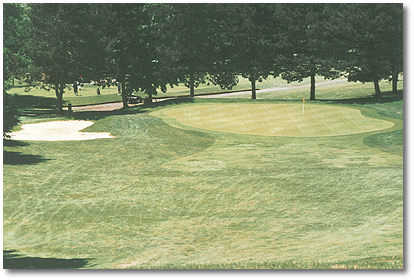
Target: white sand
(57, 131)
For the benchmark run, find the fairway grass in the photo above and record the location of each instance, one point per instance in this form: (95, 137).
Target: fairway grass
(276, 119)
(163, 195)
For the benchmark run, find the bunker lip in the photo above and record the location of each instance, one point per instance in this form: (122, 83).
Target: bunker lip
(58, 131)
(267, 119)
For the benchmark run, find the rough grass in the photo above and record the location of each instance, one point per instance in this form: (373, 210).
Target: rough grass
(159, 196)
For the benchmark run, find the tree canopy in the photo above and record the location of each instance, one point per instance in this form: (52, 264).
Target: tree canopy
(147, 46)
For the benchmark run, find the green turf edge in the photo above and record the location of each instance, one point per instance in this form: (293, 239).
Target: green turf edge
(368, 112)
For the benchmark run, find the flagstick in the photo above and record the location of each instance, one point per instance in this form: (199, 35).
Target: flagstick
(303, 105)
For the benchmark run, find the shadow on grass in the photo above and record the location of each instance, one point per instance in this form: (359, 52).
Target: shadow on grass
(13, 143)
(386, 97)
(17, 158)
(38, 113)
(32, 101)
(12, 260)
(33, 106)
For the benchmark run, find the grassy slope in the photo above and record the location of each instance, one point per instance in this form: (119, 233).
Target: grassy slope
(163, 197)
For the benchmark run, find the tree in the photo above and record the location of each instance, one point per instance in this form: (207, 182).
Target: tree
(16, 62)
(392, 32)
(373, 36)
(137, 48)
(16, 34)
(250, 43)
(187, 30)
(312, 50)
(195, 44)
(63, 40)
(254, 41)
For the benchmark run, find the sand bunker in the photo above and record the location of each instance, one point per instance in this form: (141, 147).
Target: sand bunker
(57, 131)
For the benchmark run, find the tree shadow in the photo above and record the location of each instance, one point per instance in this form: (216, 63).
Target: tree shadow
(38, 113)
(32, 101)
(12, 260)
(32, 106)
(13, 143)
(17, 158)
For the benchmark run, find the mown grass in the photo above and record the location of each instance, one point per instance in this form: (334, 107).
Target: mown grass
(296, 120)
(163, 197)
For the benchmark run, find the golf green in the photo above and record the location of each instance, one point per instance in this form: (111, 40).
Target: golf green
(309, 120)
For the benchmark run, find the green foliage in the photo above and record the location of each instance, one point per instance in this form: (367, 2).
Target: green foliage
(149, 47)
(16, 62)
(10, 115)
(254, 55)
(373, 36)
(16, 42)
(312, 50)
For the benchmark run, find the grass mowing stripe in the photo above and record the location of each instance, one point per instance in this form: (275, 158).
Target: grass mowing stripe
(159, 196)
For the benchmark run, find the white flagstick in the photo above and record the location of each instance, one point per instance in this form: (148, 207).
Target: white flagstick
(303, 105)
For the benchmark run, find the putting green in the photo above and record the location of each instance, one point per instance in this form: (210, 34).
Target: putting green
(275, 119)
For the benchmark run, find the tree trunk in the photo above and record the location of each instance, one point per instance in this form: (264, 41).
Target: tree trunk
(124, 95)
(148, 100)
(395, 82)
(122, 75)
(377, 89)
(312, 87)
(253, 81)
(191, 86)
(59, 97)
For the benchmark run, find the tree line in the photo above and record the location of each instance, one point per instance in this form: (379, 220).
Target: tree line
(148, 46)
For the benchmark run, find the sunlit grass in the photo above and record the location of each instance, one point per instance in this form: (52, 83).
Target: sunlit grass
(299, 120)
(171, 197)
